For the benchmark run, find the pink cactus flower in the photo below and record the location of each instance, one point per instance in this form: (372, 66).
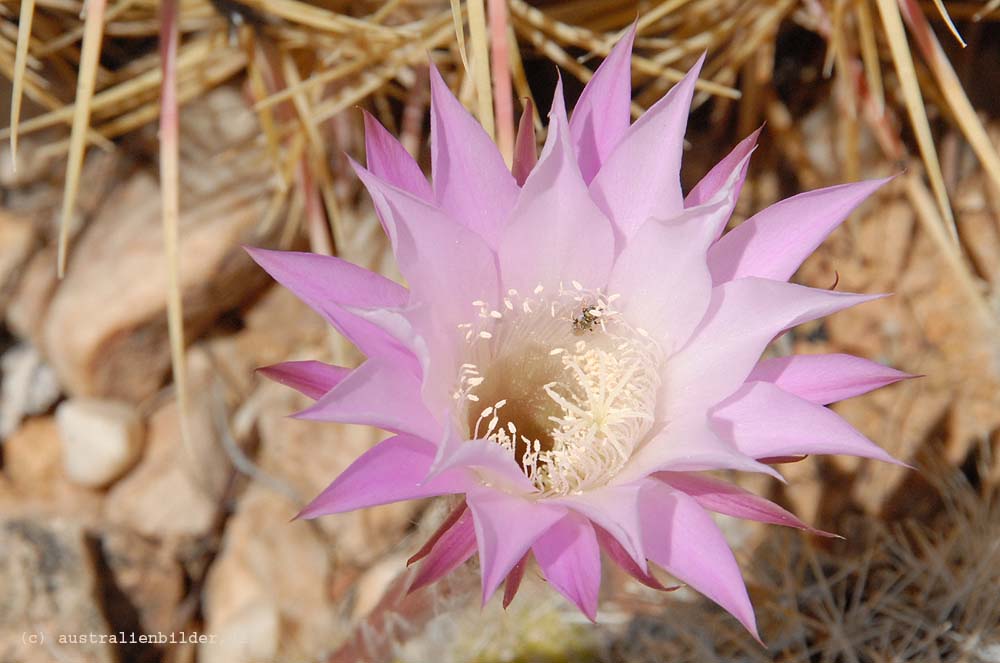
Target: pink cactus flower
(578, 344)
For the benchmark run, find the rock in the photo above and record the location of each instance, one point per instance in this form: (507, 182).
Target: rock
(147, 576)
(17, 241)
(249, 634)
(25, 297)
(266, 597)
(29, 386)
(177, 489)
(269, 337)
(101, 439)
(308, 455)
(49, 608)
(105, 330)
(31, 455)
(36, 483)
(26, 309)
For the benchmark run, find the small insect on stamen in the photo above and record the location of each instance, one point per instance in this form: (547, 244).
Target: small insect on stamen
(589, 316)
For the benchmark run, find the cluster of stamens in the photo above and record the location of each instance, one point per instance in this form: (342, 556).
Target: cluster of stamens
(571, 386)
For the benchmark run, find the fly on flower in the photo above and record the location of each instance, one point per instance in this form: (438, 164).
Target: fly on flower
(578, 345)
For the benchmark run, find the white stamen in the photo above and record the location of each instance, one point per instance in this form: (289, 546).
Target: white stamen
(593, 406)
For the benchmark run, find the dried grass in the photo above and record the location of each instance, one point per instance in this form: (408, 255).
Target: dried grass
(341, 58)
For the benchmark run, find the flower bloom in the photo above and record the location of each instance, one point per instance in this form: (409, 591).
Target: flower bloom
(578, 344)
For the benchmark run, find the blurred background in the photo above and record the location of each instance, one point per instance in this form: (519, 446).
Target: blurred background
(140, 499)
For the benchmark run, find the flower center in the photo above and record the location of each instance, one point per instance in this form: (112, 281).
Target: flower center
(562, 382)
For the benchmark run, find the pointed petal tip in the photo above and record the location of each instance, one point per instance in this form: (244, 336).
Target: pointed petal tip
(308, 414)
(513, 582)
(772, 472)
(259, 254)
(359, 170)
(418, 581)
(691, 77)
(437, 80)
(557, 109)
(627, 40)
(369, 119)
(825, 534)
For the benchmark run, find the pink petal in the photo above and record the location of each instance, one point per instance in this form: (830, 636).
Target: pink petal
(641, 177)
(556, 234)
(445, 264)
(684, 540)
(450, 551)
(378, 394)
(730, 500)
(734, 162)
(616, 510)
(743, 317)
(570, 558)
(329, 286)
(390, 161)
(471, 180)
(525, 147)
(763, 420)
(513, 582)
(601, 115)
(773, 243)
(825, 379)
(484, 456)
(449, 522)
(689, 445)
(318, 280)
(418, 328)
(311, 378)
(391, 471)
(661, 272)
(621, 557)
(506, 527)
(395, 323)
